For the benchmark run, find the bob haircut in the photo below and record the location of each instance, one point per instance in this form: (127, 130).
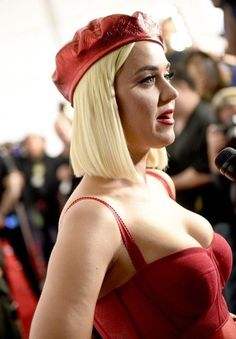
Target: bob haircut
(98, 144)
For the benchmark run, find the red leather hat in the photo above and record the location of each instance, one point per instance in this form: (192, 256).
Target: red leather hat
(97, 39)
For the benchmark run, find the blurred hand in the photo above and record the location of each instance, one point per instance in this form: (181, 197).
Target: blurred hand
(2, 222)
(216, 141)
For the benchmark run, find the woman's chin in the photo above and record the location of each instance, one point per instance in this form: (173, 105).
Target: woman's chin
(168, 139)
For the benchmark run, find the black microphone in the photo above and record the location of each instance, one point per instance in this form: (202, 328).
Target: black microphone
(226, 163)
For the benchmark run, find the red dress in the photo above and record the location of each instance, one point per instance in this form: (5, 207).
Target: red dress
(175, 297)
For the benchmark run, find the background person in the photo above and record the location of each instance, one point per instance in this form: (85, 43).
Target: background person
(64, 173)
(10, 190)
(229, 10)
(12, 223)
(206, 72)
(39, 194)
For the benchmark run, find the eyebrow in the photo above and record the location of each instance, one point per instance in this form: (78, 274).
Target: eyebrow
(151, 68)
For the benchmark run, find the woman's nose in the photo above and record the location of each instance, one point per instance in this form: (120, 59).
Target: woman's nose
(168, 93)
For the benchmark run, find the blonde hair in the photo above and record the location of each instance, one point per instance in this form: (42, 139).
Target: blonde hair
(98, 144)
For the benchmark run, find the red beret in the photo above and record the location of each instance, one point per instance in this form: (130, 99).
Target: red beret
(95, 40)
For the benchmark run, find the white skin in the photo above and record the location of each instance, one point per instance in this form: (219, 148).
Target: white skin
(89, 259)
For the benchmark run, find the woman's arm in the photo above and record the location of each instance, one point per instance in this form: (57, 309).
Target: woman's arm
(86, 244)
(190, 178)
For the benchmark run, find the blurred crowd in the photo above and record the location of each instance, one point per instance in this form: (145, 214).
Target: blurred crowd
(34, 186)
(33, 189)
(205, 124)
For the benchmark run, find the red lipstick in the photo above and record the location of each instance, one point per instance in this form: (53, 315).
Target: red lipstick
(166, 117)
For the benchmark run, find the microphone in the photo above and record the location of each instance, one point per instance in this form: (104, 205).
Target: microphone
(226, 163)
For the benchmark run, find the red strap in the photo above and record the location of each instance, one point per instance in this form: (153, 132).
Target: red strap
(133, 250)
(164, 182)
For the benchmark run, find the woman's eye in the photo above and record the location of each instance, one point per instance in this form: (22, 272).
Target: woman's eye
(149, 80)
(169, 76)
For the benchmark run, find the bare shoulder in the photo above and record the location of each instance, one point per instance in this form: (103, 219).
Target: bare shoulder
(89, 237)
(86, 245)
(166, 178)
(90, 220)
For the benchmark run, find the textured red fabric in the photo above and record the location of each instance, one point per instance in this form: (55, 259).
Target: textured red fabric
(175, 297)
(98, 38)
(178, 296)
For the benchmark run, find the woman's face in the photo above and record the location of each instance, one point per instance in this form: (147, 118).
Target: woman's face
(145, 98)
(205, 75)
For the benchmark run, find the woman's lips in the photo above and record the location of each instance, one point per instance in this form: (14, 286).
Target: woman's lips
(166, 117)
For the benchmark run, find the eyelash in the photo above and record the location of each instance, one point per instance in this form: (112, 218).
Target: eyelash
(149, 79)
(170, 75)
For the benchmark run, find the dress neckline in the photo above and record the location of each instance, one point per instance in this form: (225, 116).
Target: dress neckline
(172, 256)
(185, 251)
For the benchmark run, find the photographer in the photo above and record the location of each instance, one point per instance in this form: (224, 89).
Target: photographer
(221, 135)
(11, 222)
(10, 189)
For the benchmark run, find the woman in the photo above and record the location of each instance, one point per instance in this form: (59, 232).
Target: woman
(127, 257)
(207, 73)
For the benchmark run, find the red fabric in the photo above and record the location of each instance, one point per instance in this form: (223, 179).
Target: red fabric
(178, 296)
(175, 297)
(98, 38)
(137, 257)
(20, 289)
